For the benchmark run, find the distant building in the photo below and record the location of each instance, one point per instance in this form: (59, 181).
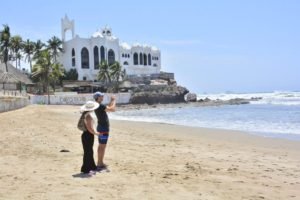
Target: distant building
(85, 54)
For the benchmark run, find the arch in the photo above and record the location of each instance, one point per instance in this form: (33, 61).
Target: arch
(135, 59)
(154, 65)
(85, 61)
(145, 59)
(96, 57)
(111, 57)
(125, 63)
(73, 58)
(102, 53)
(149, 59)
(141, 59)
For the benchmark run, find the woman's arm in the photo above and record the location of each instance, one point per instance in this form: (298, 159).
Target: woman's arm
(89, 124)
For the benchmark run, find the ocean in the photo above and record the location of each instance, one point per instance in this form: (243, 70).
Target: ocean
(276, 114)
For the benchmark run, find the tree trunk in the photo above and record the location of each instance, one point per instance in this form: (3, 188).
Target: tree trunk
(30, 64)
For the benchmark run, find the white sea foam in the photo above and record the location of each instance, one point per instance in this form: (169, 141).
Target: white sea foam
(274, 98)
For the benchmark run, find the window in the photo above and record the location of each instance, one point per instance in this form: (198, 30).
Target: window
(128, 55)
(102, 52)
(145, 59)
(111, 57)
(96, 57)
(85, 63)
(122, 54)
(141, 59)
(135, 59)
(149, 59)
(84, 78)
(73, 58)
(125, 63)
(155, 65)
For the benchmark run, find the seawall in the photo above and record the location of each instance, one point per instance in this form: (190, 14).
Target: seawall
(8, 103)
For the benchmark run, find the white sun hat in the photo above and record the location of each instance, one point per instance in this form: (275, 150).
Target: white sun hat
(89, 106)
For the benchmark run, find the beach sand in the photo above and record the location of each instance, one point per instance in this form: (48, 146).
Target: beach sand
(146, 161)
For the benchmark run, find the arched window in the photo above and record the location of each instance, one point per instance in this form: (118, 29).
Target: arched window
(96, 57)
(85, 63)
(135, 59)
(111, 57)
(125, 63)
(73, 58)
(155, 65)
(122, 54)
(128, 55)
(141, 59)
(149, 59)
(145, 59)
(102, 53)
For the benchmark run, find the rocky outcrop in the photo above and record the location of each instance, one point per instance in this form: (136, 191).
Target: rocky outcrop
(155, 94)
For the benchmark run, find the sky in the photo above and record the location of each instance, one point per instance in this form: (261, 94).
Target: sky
(212, 46)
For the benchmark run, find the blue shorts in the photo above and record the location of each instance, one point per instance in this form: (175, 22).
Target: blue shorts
(103, 138)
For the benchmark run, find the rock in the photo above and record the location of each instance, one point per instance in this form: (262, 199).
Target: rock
(190, 97)
(158, 94)
(64, 150)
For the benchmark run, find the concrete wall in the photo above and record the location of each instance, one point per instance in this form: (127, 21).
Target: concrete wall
(8, 103)
(76, 99)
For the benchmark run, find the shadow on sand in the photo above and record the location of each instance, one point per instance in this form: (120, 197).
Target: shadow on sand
(82, 175)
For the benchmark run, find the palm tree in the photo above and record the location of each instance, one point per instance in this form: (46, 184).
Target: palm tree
(104, 72)
(57, 71)
(117, 73)
(55, 46)
(38, 46)
(5, 44)
(42, 70)
(28, 50)
(19, 57)
(16, 46)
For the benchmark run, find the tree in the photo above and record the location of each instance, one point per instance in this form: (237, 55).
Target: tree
(72, 74)
(55, 46)
(38, 47)
(19, 57)
(5, 44)
(55, 76)
(104, 72)
(16, 46)
(28, 50)
(46, 71)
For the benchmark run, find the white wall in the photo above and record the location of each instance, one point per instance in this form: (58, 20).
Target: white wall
(77, 99)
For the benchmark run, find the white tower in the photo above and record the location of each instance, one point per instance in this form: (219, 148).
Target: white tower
(66, 25)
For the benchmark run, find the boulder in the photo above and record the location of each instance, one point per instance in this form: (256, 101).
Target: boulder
(190, 97)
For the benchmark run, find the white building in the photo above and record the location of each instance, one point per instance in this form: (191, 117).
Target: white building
(85, 54)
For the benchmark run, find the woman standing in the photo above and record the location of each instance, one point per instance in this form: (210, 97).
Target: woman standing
(87, 137)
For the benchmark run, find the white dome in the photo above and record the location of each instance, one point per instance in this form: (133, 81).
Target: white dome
(153, 48)
(97, 34)
(124, 45)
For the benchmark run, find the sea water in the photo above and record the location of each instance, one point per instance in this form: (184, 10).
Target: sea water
(275, 114)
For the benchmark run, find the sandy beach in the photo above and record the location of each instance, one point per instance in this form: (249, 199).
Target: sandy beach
(146, 161)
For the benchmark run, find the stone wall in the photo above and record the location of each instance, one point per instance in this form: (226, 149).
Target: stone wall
(8, 103)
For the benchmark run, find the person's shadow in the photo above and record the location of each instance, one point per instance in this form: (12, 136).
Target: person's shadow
(82, 175)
